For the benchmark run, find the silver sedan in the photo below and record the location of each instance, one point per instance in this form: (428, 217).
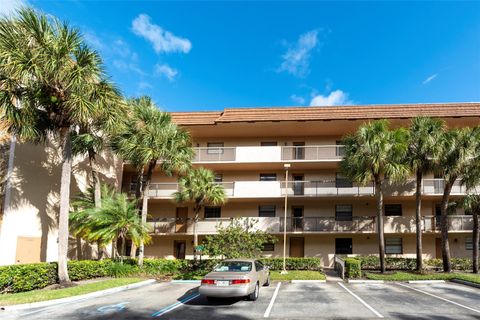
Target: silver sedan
(235, 278)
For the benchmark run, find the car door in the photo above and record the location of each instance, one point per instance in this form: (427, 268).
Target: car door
(261, 271)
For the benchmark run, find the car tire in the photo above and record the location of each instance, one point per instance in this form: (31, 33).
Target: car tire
(254, 295)
(267, 283)
(211, 299)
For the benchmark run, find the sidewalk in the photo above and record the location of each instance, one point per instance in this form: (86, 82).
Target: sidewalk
(332, 275)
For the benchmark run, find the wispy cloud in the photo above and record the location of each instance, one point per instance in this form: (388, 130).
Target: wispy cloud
(162, 40)
(297, 99)
(429, 79)
(296, 60)
(166, 71)
(335, 98)
(9, 7)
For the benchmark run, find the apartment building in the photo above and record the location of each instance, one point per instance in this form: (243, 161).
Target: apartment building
(249, 149)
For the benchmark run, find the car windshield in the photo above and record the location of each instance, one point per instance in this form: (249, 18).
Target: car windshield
(234, 266)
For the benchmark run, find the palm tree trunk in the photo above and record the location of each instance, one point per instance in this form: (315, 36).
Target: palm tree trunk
(123, 249)
(133, 251)
(418, 219)
(64, 204)
(196, 211)
(475, 239)
(146, 188)
(381, 237)
(447, 266)
(97, 194)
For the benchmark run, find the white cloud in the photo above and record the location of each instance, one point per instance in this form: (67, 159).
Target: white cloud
(127, 66)
(429, 79)
(9, 7)
(162, 40)
(297, 99)
(335, 98)
(166, 71)
(296, 60)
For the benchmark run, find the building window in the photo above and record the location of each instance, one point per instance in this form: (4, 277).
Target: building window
(268, 177)
(268, 143)
(342, 182)
(393, 246)
(469, 243)
(343, 246)
(213, 212)
(343, 212)
(298, 150)
(218, 178)
(215, 148)
(268, 247)
(339, 149)
(393, 210)
(266, 211)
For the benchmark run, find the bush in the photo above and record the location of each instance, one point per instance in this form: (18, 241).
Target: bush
(88, 269)
(313, 264)
(353, 268)
(163, 266)
(26, 277)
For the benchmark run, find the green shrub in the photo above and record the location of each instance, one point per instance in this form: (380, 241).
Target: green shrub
(88, 269)
(313, 264)
(26, 277)
(353, 268)
(163, 266)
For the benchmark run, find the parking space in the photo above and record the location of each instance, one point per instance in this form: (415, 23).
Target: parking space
(279, 301)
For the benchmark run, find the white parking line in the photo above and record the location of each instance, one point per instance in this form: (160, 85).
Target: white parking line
(272, 301)
(432, 295)
(361, 300)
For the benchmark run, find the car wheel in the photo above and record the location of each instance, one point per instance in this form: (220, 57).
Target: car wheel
(267, 283)
(211, 299)
(254, 295)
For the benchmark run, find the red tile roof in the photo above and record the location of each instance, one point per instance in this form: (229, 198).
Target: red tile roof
(440, 110)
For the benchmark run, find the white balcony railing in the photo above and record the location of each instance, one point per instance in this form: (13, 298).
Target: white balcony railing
(364, 224)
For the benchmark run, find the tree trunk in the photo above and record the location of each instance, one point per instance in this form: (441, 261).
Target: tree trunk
(418, 219)
(123, 249)
(196, 211)
(133, 251)
(64, 205)
(381, 238)
(145, 190)
(475, 239)
(447, 266)
(97, 194)
(79, 248)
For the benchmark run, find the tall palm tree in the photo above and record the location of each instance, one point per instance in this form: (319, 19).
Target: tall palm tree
(459, 154)
(51, 83)
(151, 139)
(116, 219)
(199, 187)
(374, 153)
(424, 148)
(472, 206)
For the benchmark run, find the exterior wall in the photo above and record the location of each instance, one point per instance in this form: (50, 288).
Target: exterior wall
(32, 209)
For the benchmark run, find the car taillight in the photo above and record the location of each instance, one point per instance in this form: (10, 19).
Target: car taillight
(240, 281)
(208, 281)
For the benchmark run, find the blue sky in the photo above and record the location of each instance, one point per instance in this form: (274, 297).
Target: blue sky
(213, 55)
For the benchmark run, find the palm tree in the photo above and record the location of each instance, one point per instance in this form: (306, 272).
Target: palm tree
(460, 153)
(151, 137)
(51, 83)
(424, 148)
(117, 218)
(199, 187)
(472, 206)
(374, 153)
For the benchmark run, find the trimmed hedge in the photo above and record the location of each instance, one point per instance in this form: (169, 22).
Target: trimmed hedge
(26, 277)
(313, 264)
(392, 263)
(353, 268)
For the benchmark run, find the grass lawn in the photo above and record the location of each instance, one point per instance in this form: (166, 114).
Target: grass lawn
(42, 295)
(297, 275)
(407, 276)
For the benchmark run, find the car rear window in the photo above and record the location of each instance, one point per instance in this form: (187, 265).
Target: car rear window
(233, 266)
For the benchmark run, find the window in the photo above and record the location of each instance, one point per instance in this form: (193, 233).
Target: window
(393, 245)
(342, 182)
(258, 265)
(268, 247)
(343, 212)
(218, 178)
(469, 243)
(343, 246)
(339, 149)
(393, 210)
(215, 148)
(213, 212)
(266, 211)
(268, 143)
(299, 150)
(268, 177)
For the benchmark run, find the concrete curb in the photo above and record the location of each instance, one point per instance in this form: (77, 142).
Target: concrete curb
(308, 281)
(90, 295)
(365, 281)
(466, 283)
(426, 281)
(186, 281)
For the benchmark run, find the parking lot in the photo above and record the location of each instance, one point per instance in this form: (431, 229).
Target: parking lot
(279, 301)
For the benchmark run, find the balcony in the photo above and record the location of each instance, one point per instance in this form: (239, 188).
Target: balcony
(250, 154)
(325, 224)
(320, 188)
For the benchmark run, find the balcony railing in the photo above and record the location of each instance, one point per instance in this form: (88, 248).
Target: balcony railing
(324, 224)
(320, 152)
(320, 188)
